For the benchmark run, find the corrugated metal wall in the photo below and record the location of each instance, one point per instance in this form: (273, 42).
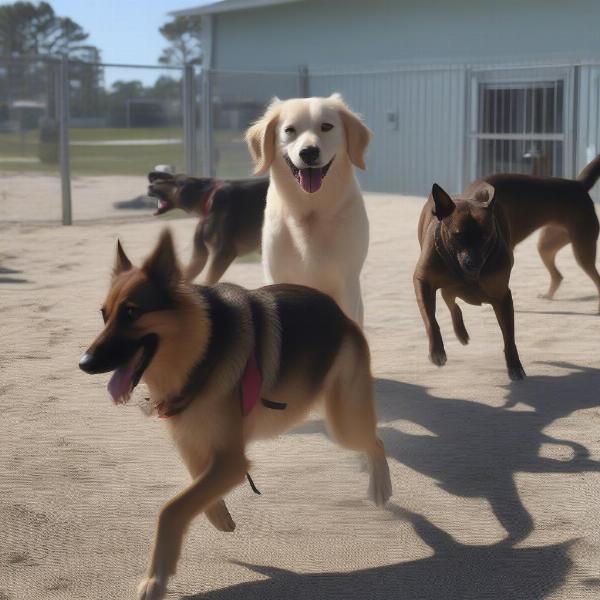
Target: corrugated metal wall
(588, 118)
(417, 118)
(447, 124)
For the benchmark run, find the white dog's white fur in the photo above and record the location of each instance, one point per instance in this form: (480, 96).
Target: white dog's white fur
(317, 239)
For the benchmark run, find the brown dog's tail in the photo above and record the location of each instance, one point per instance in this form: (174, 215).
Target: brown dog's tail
(590, 174)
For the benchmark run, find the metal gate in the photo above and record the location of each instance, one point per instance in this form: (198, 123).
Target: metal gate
(521, 121)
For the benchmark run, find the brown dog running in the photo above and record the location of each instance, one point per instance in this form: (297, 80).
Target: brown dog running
(466, 252)
(217, 362)
(231, 217)
(563, 208)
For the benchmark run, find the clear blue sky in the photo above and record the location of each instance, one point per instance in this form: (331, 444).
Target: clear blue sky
(126, 31)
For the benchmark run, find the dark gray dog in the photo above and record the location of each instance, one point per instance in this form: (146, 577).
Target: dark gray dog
(231, 215)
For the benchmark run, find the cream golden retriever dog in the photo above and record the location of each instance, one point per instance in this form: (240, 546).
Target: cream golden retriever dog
(315, 231)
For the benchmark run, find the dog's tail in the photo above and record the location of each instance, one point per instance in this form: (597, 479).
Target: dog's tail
(590, 174)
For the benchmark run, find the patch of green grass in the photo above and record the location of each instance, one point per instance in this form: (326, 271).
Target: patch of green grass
(253, 257)
(80, 134)
(233, 159)
(123, 160)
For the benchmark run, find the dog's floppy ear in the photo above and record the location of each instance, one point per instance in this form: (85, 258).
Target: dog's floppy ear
(358, 134)
(444, 205)
(162, 266)
(160, 176)
(122, 263)
(484, 195)
(260, 138)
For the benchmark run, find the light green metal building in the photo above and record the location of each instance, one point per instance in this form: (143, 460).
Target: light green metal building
(451, 89)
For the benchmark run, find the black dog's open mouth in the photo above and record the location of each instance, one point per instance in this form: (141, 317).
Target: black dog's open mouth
(163, 204)
(128, 375)
(310, 178)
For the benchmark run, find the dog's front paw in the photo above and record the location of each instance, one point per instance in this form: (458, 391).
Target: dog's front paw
(463, 337)
(152, 588)
(546, 296)
(516, 373)
(438, 356)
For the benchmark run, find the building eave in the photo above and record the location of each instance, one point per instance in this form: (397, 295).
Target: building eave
(222, 6)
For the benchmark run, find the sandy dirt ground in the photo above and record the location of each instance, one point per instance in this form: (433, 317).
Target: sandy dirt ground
(496, 484)
(36, 197)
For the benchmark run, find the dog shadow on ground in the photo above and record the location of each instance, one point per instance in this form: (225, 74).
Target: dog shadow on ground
(474, 450)
(5, 273)
(470, 450)
(552, 307)
(454, 572)
(589, 298)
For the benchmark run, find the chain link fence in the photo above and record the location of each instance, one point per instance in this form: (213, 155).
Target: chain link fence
(77, 139)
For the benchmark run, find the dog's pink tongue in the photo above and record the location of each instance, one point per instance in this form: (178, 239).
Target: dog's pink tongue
(121, 381)
(162, 206)
(311, 179)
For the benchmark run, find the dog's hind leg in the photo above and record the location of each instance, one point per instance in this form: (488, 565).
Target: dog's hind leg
(350, 416)
(457, 317)
(552, 239)
(350, 301)
(360, 309)
(218, 262)
(199, 256)
(218, 514)
(584, 249)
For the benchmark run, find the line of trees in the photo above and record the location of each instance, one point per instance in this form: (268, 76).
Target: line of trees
(29, 30)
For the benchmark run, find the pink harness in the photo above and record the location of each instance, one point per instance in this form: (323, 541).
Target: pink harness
(250, 393)
(207, 207)
(251, 385)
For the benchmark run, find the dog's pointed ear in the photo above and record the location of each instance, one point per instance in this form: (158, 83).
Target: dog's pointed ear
(358, 135)
(122, 263)
(260, 138)
(484, 195)
(444, 205)
(160, 176)
(162, 266)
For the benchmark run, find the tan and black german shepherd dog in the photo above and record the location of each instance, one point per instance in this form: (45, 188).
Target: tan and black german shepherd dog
(199, 348)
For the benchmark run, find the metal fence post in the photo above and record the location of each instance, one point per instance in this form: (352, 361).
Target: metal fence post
(189, 120)
(65, 170)
(303, 83)
(207, 124)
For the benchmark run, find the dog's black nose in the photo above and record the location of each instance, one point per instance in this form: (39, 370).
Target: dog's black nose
(87, 363)
(310, 154)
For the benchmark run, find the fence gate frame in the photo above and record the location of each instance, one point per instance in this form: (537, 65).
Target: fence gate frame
(568, 74)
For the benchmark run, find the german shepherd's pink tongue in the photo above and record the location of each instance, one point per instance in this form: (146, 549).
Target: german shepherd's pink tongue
(311, 179)
(121, 382)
